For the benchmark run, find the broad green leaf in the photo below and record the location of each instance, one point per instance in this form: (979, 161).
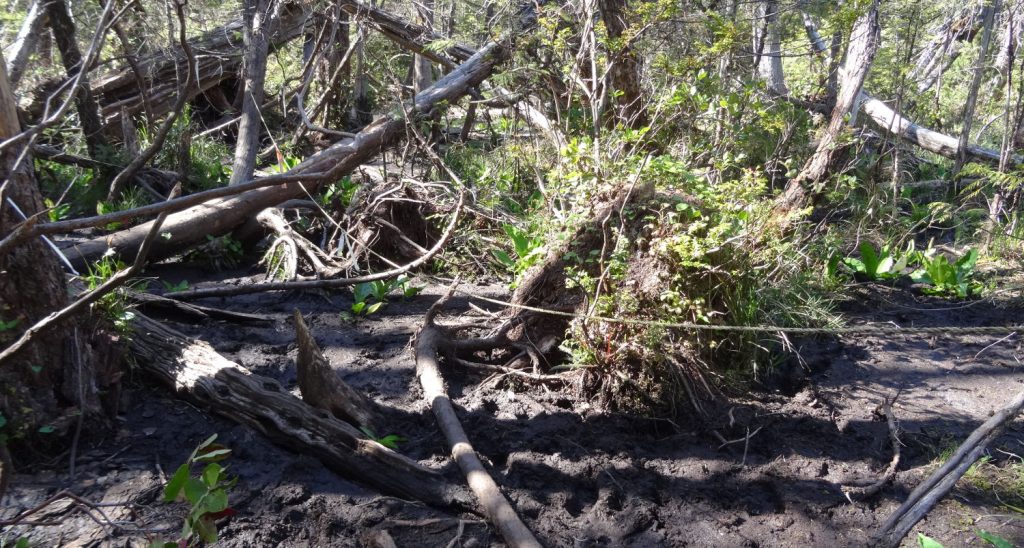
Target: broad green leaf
(994, 540)
(177, 482)
(211, 474)
(216, 501)
(357, 308)
(214, 453)
(373, 308)
(207, 530)
(927, 542)
(194, 490)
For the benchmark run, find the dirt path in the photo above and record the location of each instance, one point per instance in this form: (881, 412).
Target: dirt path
(579, 477)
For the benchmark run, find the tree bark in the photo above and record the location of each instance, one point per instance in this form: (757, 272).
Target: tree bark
(322, 388)
(202, 376)
(990, 11)
(860, 53)
(423, 69)
(769, 59)
(624, 71)
(25, 43)
(220, 216)
(938, 55)
(31, 286)
(59, 15)
(257, 16)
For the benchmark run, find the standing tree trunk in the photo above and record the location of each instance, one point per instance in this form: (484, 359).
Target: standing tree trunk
(423, 69)
(360, 113)
(860, 53)
(769, 47)
(88, 110)
(257, 18)
(624, 72)
(972, 92)
(336, 61)
(31, 286)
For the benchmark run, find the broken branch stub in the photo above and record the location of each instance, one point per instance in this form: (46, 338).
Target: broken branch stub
(321, 386)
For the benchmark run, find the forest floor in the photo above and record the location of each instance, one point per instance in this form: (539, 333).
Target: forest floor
(578, 476)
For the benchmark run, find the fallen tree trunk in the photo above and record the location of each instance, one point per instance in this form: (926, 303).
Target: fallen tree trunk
(894, 123)
(409, 35)
(220, 216)
(205, 378)
(218, 57)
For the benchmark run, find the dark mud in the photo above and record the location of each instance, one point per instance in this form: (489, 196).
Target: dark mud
(579, 477)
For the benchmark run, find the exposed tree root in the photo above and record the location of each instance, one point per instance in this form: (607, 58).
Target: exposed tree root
(283, 256)
(431, 341)
(890, 472)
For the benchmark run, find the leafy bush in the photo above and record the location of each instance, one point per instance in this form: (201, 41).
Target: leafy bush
(206, 493)
(945, 278)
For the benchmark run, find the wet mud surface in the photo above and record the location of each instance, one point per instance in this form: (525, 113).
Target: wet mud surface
(578, 476)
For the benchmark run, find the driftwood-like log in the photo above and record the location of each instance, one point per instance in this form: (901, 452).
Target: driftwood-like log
(210, 381)
(926, 495)
(321, 386)
(220, 216)
(218, 57)
(430, 341)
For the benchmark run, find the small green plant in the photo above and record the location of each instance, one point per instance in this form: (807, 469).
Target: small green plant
(529, 249)
(56, 212)
(390, 441)
(113, 306)
(361, 294)
(174, 288)
(945, 278)
(881, 264)
(379, 290)
(343, 191)
(206, 493)
(924, 541)
(20, 542)
(218, 253)
(4, 326)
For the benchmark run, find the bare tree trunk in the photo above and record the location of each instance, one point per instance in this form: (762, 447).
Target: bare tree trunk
(624, 72)
(860, 53)
(25, 43)
(423, 69)
(769, 60)
(31, 286)
(338, 97)
(990, 11)
(359, 114)
(257, 18)
(88, 110)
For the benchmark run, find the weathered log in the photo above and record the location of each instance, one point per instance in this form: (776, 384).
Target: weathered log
(212, 382)
(322, 388)
(409, 35)
(218, 57)
(431, 340)
(221, 216)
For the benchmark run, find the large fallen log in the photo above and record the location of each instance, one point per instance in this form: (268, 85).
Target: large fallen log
(221, 216)
(409, 35)
(212, 382)
(218, 58)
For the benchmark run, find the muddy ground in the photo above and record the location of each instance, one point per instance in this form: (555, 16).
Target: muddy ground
(578, 476)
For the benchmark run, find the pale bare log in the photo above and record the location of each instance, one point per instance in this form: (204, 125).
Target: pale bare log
(223, 215)
(209, 380)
